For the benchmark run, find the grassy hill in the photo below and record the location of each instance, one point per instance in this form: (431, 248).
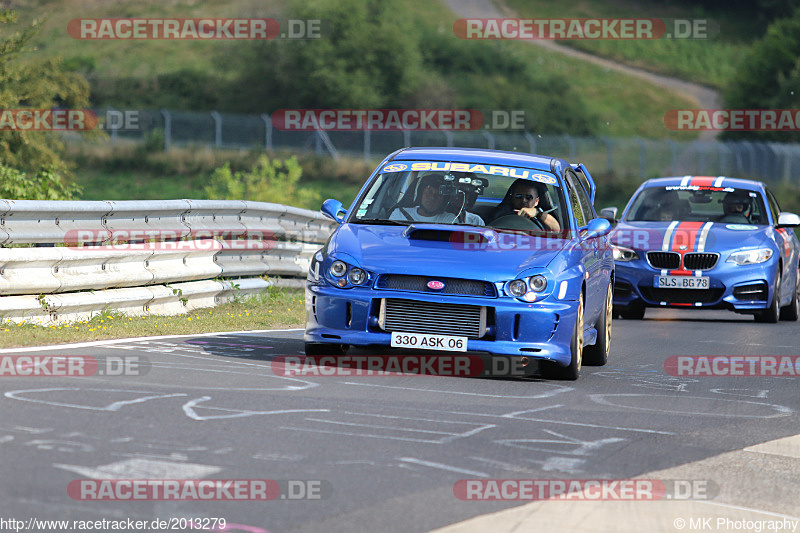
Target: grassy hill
(195, 75)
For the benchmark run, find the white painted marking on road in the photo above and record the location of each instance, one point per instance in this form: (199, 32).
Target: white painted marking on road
(759, 393)
(781, 410)
(115, 406)
(189, 410)
(143, 469)
(581, 447)
(442, 466)
(545, 394)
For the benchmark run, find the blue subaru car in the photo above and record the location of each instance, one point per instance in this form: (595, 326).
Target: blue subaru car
(706, 243)
(457, 249)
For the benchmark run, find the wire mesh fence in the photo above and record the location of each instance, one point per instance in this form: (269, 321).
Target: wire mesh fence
(636, 157)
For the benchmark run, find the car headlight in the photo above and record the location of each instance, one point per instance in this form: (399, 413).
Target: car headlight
(623, 254)
(538, 283)
(750, 257)
(518, 288)
(338, 269)
(356, 276)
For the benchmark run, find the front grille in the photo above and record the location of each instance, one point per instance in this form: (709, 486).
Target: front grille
(682, 296)
(669, 260)
(699, 261)
(754, 291)
(463, 287)
(431, 317)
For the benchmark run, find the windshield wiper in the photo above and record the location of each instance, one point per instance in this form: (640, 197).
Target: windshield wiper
(380, 221)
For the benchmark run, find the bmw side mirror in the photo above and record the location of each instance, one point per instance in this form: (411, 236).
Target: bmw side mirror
(609, 213)
(788, 220)
(334, 210)
(597, 227)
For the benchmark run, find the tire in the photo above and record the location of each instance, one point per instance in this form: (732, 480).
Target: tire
(792, 311)
(772, 314)
(597, 354)
(571, 371)
(315, 348)
(635, 311)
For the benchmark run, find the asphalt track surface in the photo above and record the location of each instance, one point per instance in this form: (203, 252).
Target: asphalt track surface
(387, 450)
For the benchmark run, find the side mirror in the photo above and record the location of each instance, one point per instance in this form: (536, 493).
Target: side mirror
(597, 227)
(334, 210)
(609, 213)
(788, 220)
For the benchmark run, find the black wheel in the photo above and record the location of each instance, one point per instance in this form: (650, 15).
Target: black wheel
(315, 348)
(792, 311)
(571, 371)
(772, 313)
(635, 311)
(597, 354)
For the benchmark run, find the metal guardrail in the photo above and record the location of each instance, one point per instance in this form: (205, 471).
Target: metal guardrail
(147, 257)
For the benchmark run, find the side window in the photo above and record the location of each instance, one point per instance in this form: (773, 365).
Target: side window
(576, 189)
(574, 200)
(774, 208)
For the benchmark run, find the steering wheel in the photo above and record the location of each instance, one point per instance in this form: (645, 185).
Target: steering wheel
(517, 222)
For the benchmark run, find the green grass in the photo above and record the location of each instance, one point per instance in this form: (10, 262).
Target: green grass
(710, 61)
(276, 308)
(626, 106)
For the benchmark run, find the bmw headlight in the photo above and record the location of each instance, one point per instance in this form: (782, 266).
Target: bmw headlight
(356, 276)
(517, 288)
(750, 257)
(338, 269)
(623, 254)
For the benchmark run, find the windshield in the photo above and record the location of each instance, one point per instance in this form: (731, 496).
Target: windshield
(698, 204)
(503, 198)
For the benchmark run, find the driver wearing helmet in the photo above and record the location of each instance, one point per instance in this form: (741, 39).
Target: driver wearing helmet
(736, 207)
(434, 195)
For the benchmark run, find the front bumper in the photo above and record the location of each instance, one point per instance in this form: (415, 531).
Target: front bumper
(540, 330)
(744, 289)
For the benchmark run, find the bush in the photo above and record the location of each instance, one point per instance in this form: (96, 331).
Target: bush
(47, 184)
(268, 181)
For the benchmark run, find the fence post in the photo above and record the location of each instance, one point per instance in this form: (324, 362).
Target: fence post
(449, 136)
(571, 145)
(531, 141)
(367, 144)
(489, 140)
(217, 128)
(406, 138)
(114, 129)
(642, 157)
(267, 131)
(673, 160)
(167, 129)
(609, 153)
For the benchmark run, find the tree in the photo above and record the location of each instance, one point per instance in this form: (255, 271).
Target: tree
(769, 75)
(26, 83)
